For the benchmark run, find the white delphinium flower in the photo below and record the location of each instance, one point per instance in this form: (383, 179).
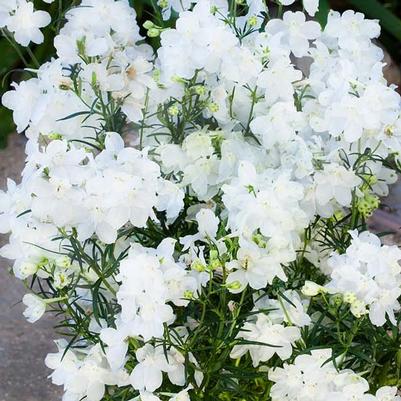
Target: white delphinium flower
(288, 308)
(35, 307)
(133, 177)
(31, 245)
(181, 286)
(6, 8)
(152, 362)
(351, 28)
(116, 340)
(295, 32)
(148, 373)
(150, 279)
(274, 128)
(254, 267)
(273, 339)
(143, 295)
(13, 202)
(240, 66)
(25, 22)
(137, 83)
(200, 41)
(84, 373)
(208, 223)
(99, 25)
(315, 378)
(42, 104)
(22, 101)
(369, 277)
(311, 6)
(278, 80)
(387, 393)
(196, 159)
(184, 396)
(335, 182)
(268, 203)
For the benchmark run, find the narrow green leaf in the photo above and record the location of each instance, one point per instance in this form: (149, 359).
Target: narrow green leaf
(321, 15)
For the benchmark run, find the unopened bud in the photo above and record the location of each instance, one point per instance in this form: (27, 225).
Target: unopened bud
(173, 110)
(153, 32)
(148, 25)
(312, 289)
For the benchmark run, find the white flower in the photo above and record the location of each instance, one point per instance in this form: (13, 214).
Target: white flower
(295, 31)
(273, 128)
(117, 345)
(387, 393)
(268, 204)
(315, 378)
(22, 102)
(288, 308)
(278, 80)
(143, 296)
(253, 267)
(351, 28)
(273, 339)
(83, 373)
(208, 223)
(25, 23)
(312, 289)
(182, 396)
(335, 182)
(35, 307)
(147, 374)
(311, 6)
(369, 277)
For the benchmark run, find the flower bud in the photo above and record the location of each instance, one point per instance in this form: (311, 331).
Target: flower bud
(148, 25)
(312, 289)
(153, 32)
(173, 110)
(199, 90)
(163, 3)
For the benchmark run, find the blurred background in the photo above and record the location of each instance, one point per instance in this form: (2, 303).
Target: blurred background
(23, 346)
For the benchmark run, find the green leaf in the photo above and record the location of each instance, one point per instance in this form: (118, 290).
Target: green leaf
(321, 15)
(374, 9)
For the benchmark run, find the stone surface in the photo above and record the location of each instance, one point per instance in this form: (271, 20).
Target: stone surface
(23, 346)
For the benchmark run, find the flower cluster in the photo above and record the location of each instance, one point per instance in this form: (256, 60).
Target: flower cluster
(315, 377)
(23, 21)
(368, 274)
(196, 212)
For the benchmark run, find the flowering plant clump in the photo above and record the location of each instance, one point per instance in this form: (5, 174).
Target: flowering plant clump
(195, 216)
